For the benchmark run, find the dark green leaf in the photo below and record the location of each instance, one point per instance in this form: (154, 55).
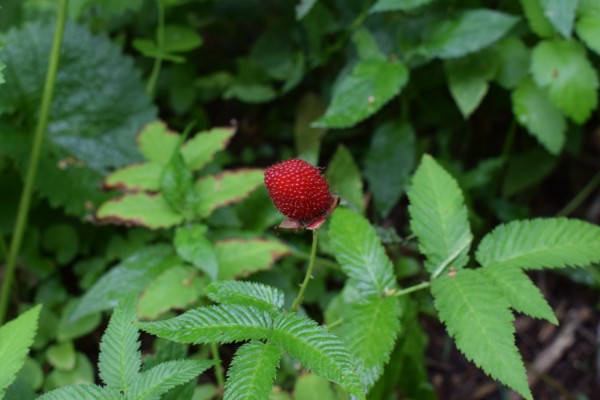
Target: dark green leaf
(397, 5)
(192, 245)
(344, 178)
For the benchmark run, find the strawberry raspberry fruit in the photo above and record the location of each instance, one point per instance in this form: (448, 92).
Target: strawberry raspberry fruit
(298, 190)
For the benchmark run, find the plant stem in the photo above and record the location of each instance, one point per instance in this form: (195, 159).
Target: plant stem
(308, 276)
(160, 39)
(318, 260)
(218, 366)
(38, 141)
(420, 286)
(581, 196)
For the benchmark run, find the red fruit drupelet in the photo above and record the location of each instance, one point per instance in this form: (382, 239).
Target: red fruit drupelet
(298, 189)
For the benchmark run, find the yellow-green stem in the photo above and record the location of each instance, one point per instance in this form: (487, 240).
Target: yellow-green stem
(311, 264)
(160, 43)
(420, 286)
(38, 140)
(218, 366)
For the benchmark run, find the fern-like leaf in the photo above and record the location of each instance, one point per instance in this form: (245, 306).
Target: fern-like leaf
(245, 293)
(79, 392)
(158, 380)
(120, 358)
(438, 217)
(317, 349)
(359, 251)
(520, 292)
(477, 316)
(541, 243)
(252, 371)
(370, 330)
(214, 324)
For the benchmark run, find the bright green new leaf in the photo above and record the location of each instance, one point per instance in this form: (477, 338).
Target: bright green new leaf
(561, 13)
(438, 217)
(226, 188)
(82, 391)
(538, 23)
(513, 61)
(16, 337)
(533, 110)
(520, 292)
(359, 251)
(476, 314)
(468, 32)
(240, 258)
(150, 210)
(392, 148)
(144, 176)
(344, 178)
(367, 88)
(62, 355)
(588, 24)
(157, 143)
(397, 5)
(253, 294)
(317, 349)
(252, 371)
(562, 67)
(214, 324)
(192, 245)
(120, 359)
(541, 243)
(201, 149)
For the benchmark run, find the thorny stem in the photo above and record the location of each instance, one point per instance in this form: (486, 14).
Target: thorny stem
(160, 39)
(308, 276)
(218, 366)
(36, 150)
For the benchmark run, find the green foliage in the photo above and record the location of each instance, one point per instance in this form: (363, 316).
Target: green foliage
(254, 294)
(240, 258)
(561, 14)
(82, 391)
(192, 245)
(394, 5)
(344, 178)
(587, 27)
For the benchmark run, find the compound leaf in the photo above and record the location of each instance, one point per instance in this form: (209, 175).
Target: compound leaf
(150, 210)
(253, 294)
(157, 143)
(240, 258)
(144, 176)
(201, 149)
(82, 391)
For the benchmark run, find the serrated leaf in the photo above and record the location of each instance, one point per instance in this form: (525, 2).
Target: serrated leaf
(201, 149)
(252, 371)
(533, 110)
(468, 32)
(392, 148)
(513, 62)
(240, 258)
(132, 274)
(588, 24)
(476, 315)
(561, 13)
(538, 23)
(438, 217)
(150, 210)
(82, 391)
(317, 350)
(214, 324)
(158, 380)
(541, 243)
(120, 359)
(370, 329)
(562, 68)
(520, 292)
(344, 178)
(253, 294)
(193, 246)
(226, 188)
(157, 143)
(176, 185)
(368, 87)
(397, 5)
(16, 337)
(144, 176)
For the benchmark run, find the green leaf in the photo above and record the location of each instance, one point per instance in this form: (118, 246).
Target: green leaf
(538, 23)
(561, 13)
(344, 178)
(253, 294)
(214, 324)
(132, 274)
(176, 288)
(366, 45)
(69, 330)
(562, 67)
(62, 240)
(240, 258)
(520, 292)
(152, 384)
(192, 245)
(307, 138)
(468, 78)
(310, 387)
(358, 249)
(513, 62)
(368, 87)
(16, 337)
(533, 110)
(588, 24)
(179, 38)
(541, 243)
(370, 329)
(392, 148)
(176, 185)
(476, 315)
(226, 188)
(150, 49)
(62, 355)
(468, 32)
(144, 176)
(120, 359)
(157, 143)
(252, 371)
(82, 391)
(150, 210)
(397, 5)
(201, 149)
(438, 217)
(317, 350)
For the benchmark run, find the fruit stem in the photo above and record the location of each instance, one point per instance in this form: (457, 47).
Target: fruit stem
(36, 151)
(308, 276)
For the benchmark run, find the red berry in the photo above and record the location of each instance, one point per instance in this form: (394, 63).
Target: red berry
(298, 190)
